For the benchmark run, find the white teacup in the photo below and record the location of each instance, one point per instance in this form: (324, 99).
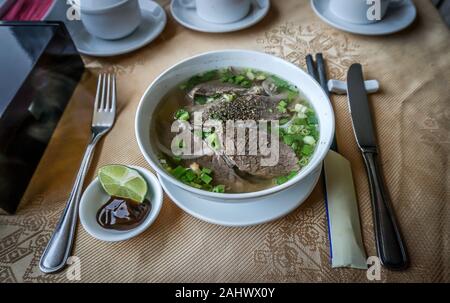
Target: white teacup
(110, 19)
(362, 11)
(219, 11)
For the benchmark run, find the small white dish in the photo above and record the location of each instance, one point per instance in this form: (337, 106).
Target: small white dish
(154, 20)
(94, 197)
(242, 213)
(396, 19)
(189, 18)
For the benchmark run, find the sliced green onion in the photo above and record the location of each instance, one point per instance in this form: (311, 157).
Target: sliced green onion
(195, 185)
(309, 140)
(213, 140)
(281, 109)
(301, 115)
(288, 139)
(206, 171)
(182, 115)
(190, 175)
(284, 179)
(292, 95)
(229, 97)
(283, 103)
(294, 129)
(305, 132)
(300, 108)
(239, 79)
(281, 180)
(219, 189)
(303, 161)
(205, 178)
(179, 171)
(299, 121)
(307, 150)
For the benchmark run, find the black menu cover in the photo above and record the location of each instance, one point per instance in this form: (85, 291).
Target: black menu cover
(39, 69)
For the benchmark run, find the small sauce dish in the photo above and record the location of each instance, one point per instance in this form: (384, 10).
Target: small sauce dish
(94, 197)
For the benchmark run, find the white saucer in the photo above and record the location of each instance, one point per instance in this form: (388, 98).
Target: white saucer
(239, 214)
(188, 17)
(152, 25)
(396, 19)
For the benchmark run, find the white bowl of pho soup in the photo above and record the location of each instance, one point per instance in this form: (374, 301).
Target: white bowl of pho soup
(234, 125)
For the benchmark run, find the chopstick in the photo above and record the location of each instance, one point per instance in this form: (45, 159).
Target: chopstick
(324, 83)
(318, 72)
(312, 71)
(322, 73)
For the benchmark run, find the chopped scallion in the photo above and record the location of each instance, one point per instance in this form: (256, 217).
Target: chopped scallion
(219, 189)
(206, 178)
(182, 115)
(309, 140)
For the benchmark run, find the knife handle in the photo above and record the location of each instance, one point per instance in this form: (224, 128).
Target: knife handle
(390, 246)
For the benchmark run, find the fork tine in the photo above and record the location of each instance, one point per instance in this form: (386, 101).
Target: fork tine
(108, 94)
(97, 96)
(114, 94)
(103, 96)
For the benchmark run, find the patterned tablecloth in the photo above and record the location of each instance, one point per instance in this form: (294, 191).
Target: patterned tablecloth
(412, 114)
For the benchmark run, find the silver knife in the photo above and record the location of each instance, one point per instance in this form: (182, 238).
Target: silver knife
(390, 247)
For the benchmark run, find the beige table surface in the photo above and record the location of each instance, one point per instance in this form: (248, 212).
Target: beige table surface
(412, 115)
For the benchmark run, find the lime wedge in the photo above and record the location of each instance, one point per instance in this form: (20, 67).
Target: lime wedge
(122, 181)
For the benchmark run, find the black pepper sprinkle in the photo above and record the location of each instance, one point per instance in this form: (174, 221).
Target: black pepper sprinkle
(245, 107)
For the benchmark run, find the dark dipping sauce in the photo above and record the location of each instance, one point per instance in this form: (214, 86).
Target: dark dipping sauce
(122, 214)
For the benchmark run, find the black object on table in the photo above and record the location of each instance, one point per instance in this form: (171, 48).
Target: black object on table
(39, 70)
(390, 246)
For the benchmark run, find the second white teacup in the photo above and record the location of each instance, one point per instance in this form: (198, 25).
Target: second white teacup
(110, 19)
(362, 11)
(219, 11)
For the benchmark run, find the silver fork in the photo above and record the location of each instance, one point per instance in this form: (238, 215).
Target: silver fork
(59, 247)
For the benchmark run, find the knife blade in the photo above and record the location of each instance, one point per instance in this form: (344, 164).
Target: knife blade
(359, 108)
(390, 247)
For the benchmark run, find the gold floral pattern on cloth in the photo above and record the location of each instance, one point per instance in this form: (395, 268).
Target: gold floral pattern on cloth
(106, 66)
(24, 243)
(293, 42)
(298, 248)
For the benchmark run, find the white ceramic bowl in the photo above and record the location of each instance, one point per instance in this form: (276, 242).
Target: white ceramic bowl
(238, 58)
(114, 21)
(94, 197)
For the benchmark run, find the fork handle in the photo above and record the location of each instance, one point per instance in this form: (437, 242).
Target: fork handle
(59, 247)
